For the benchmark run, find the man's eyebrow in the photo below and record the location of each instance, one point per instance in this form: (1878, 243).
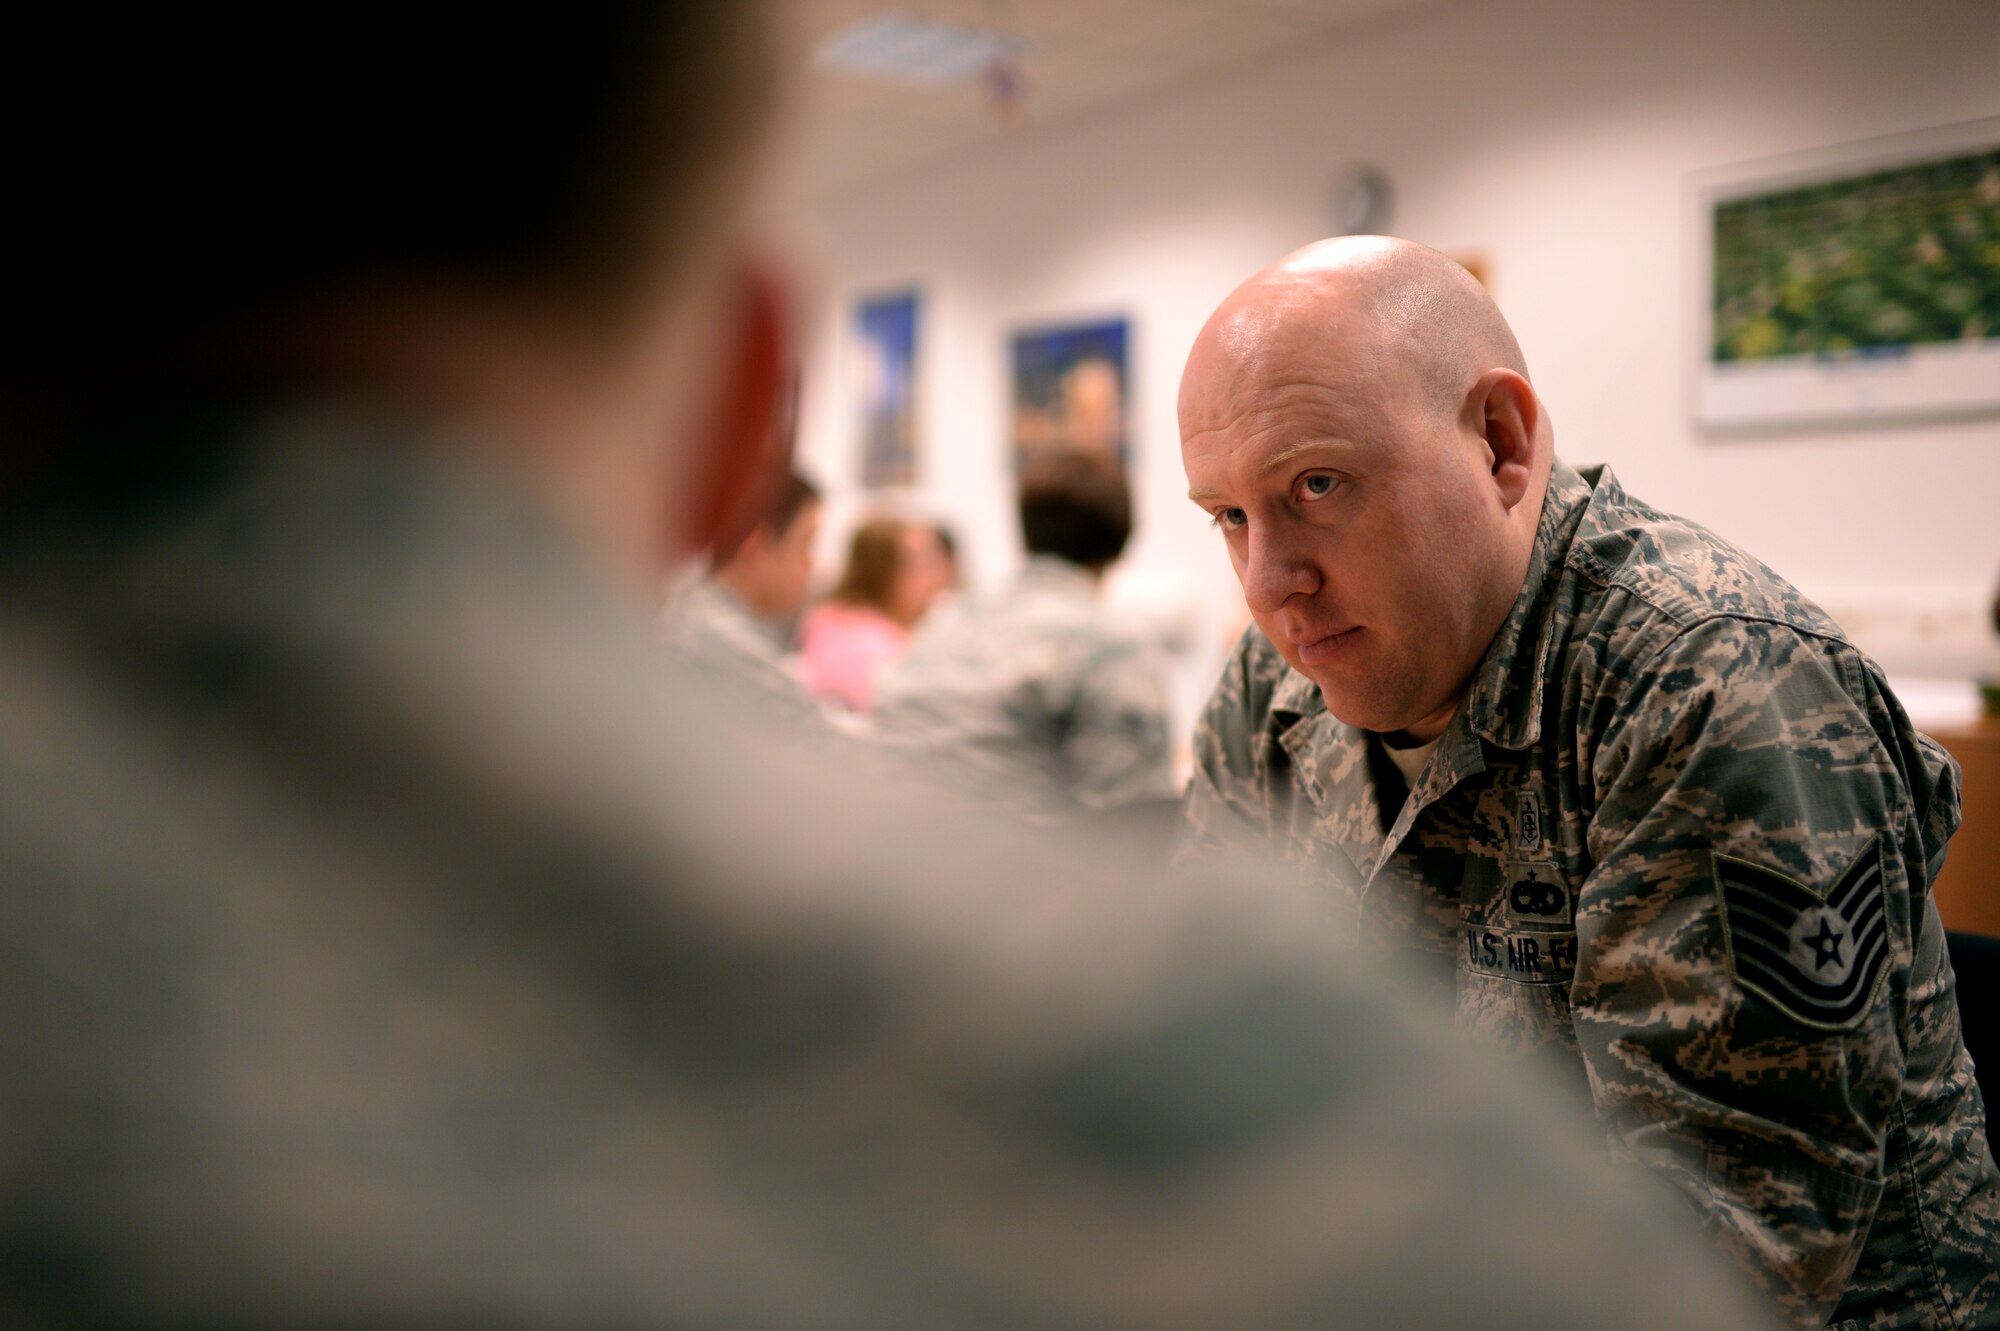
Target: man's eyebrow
(1286, 456)
(1283, 457)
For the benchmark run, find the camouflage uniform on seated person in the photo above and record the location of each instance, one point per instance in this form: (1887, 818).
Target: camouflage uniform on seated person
(1039, 693)
(1668, 828)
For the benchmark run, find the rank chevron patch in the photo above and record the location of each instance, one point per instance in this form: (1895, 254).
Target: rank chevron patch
(1818, 959)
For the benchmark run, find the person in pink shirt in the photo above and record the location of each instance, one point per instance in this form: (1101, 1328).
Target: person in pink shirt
(895, 569)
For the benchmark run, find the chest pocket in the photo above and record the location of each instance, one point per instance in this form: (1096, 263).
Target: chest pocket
(1517, 953)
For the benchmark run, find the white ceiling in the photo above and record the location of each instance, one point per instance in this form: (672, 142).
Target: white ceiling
(1084, 58)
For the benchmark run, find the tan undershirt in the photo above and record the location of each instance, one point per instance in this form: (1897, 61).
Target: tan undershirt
(1410, 762)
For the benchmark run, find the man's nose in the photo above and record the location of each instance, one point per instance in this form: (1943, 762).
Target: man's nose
(1275, 568)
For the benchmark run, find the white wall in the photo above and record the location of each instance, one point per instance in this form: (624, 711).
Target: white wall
(1556, 138)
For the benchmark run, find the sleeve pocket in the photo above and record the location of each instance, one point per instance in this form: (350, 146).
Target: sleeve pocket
(1803, 1222)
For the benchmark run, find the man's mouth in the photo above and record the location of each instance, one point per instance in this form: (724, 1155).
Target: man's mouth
(1325, 647)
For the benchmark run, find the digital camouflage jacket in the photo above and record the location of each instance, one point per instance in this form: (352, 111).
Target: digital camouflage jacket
(1681, 833)
(1038, 689)
(390, 939)
(711, 631)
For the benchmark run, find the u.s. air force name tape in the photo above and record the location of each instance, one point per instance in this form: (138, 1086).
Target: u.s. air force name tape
(1818, 959)
(1524, 956)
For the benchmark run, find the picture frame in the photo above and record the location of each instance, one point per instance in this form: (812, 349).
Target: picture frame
(884, 382)
(1850, 284)
(1072, 388)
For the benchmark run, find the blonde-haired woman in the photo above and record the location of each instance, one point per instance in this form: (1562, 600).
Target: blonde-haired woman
(895, 569)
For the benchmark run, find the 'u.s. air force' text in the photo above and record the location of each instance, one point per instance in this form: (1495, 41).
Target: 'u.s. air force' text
(1527, 956)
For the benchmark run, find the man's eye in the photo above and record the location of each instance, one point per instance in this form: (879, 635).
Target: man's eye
(1318, 485)
(1230, 518)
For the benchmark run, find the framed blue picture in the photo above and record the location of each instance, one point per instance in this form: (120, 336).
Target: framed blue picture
(1072, 389)
(885, 375)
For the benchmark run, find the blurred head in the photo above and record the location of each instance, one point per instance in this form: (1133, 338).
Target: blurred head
(873, 555)
(924, 573)
(954, 574)
(895, 567)
(522, 231)
(769, 566)
(1358, 421)
(1076, 506)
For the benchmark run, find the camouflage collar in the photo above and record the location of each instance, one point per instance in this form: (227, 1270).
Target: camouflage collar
(1503, 705)
(710, 600)
(1295, 697)
(1048, 573)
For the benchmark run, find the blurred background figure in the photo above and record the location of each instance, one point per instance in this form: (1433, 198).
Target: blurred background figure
(954, 572)
(895, 569)
(1037, 689)
(743, 613)
(391, 939)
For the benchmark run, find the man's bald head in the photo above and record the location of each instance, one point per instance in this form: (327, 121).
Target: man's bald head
(1397, 311)
(1357, 419)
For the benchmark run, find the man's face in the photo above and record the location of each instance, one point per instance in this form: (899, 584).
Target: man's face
(791, 563)
(1361, 520)
(772, 569)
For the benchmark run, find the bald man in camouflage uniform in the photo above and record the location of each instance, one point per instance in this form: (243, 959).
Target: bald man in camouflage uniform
(1624, 796)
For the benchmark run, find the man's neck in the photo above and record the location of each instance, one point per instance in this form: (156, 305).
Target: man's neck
(1421, 731)
(741, 589)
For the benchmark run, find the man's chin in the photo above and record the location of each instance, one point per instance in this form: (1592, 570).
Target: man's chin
(1347, 708)
(1382, 715)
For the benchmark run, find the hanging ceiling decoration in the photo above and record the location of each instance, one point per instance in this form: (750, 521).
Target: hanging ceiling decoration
(926, 52)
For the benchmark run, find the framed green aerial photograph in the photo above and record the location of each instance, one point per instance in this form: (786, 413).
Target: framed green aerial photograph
(1855, 283)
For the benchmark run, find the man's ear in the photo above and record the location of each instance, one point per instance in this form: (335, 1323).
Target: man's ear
(1509, 416)
(739, 449)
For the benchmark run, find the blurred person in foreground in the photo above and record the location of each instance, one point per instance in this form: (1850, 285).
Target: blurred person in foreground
(389, 940)
(895, 570)
(741, 615)
(1629, 798)
(1038, 690)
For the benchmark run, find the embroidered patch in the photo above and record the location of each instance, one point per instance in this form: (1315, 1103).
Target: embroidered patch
(1819, 960)
(1533, 892)
(1528, 822)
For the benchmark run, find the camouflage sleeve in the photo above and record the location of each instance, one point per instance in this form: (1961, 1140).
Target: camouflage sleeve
(714, 649)
(1228, 802)
(1741, 939)
(1119, 749)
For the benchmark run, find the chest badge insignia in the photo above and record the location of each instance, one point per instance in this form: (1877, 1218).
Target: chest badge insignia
(1533, 892)
(1528, 829)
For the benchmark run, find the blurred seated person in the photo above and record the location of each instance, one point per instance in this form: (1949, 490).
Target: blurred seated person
(389, 941)
(1038, 690)
(741, 615)
(895, 569)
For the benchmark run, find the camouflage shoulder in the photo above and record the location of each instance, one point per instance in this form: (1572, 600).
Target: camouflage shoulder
(1240, 703)
(1252, 677)
(1684, 570)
